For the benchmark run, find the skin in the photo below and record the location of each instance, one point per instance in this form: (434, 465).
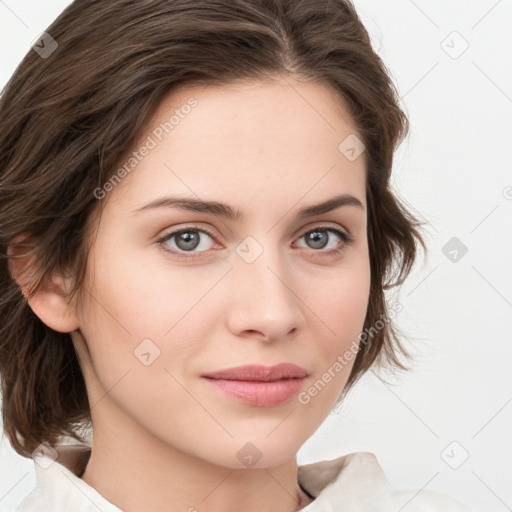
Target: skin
(162, 439)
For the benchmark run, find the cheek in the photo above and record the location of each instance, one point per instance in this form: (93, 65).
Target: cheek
(139, 296)
(341, 318)
(132, 300)
(341, 303)
(132, 361)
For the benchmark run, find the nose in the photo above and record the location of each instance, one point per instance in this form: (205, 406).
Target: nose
(263, 302)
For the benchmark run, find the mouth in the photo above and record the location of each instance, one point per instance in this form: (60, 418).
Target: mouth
(258, 385)
(260, 373)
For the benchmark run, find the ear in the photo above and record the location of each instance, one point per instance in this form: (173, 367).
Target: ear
(48, 302)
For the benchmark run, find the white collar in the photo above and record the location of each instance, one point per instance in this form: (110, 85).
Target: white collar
(350, 482)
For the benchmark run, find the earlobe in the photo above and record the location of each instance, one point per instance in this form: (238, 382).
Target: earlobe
(49, 301)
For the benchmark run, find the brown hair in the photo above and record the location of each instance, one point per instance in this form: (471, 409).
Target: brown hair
(67, 119)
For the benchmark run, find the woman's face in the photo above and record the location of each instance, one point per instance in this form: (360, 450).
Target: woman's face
(263, 288)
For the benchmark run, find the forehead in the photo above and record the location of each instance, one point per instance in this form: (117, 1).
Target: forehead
(243, 141)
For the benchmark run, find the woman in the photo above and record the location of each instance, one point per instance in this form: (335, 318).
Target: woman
(197, 236)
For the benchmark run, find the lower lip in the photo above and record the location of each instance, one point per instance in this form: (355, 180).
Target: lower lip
(260, 394)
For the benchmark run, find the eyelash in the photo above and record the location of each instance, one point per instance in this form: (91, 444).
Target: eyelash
(347, 239)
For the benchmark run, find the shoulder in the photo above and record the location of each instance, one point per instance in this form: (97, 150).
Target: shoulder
(357, 482)
(58, 486)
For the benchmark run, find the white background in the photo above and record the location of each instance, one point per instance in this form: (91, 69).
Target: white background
(453, 171)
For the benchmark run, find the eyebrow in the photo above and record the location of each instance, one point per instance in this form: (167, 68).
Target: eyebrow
(234, 214)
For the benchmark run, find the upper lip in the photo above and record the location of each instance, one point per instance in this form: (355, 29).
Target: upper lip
(260, 372)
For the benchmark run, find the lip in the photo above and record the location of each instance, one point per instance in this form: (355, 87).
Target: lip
(260, 373)
(257, 385)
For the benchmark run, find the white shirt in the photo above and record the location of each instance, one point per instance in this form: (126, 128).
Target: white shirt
(350, 483)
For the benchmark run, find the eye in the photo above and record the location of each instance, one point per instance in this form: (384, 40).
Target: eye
(319, 238)
(187, 240)
(190, 238)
